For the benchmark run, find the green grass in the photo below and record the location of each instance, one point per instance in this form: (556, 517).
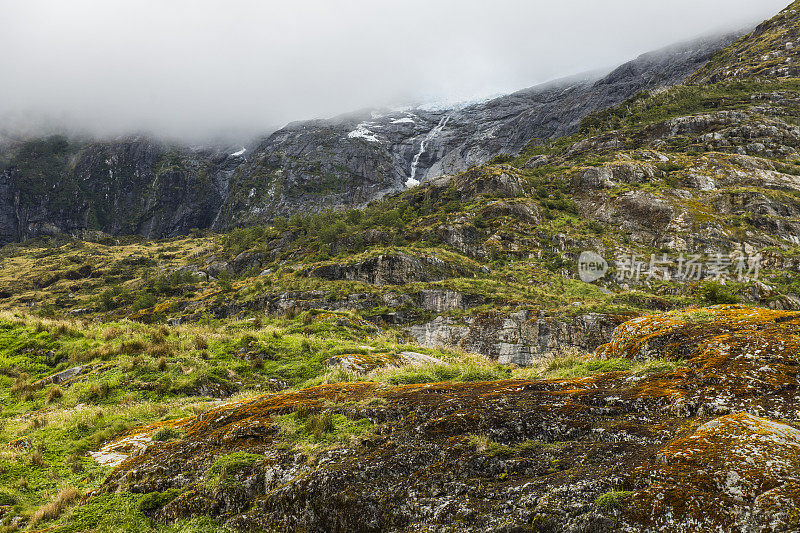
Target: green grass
(462, 367)
(314, 431)
(224, 470)
(112, 513)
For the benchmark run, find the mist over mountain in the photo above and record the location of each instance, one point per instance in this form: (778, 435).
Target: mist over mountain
(146, 186)
(205, 70)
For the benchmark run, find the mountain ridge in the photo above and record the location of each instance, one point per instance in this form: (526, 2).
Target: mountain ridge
(305, 167)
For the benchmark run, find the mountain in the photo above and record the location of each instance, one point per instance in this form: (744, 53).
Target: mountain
(771, 50)
(599, 333)
(143, 187)
(422, 144)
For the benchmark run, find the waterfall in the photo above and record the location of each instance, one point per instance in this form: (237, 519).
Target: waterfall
(412, 181)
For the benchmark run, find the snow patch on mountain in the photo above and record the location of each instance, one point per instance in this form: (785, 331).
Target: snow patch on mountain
(362, 131)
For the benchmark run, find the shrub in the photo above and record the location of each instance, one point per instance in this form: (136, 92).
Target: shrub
(22, 387)
(700, 317)
(144, 301)
(500, 159)
(54, 394)
(715, 293)
(612, 499)
(224, 281)
(319, 425)
(37, 459)
(113, 297)
(8, 498)
(200, 342)
(95, 392)
(158, 337)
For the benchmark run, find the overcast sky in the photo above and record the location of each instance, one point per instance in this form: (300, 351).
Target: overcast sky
(197, 68)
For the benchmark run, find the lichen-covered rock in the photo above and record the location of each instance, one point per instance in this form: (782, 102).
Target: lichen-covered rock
(520, 338)
(710, 447)
(737, 473)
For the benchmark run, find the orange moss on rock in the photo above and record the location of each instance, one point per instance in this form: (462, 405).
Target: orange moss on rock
(659, 435)
(700, 479)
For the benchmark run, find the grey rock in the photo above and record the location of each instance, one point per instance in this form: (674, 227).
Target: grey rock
(218, 267)
(389, 269)
(517, 338)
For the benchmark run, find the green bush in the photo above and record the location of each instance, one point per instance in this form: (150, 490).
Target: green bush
(227, 466)
(8, 498)
(612, 499)
(156, 500)
(500, 159)
(715, 293)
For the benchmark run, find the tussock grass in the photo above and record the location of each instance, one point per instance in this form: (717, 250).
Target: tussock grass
(65, 498)
(168, 433)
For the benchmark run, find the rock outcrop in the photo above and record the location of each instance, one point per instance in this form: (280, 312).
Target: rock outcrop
(707, 447)
(519, 338)
(395, 269)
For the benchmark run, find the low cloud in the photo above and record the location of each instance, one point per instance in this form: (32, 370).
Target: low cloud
(201, 69)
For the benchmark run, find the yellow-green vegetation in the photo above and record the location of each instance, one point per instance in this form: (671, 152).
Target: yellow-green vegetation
(765, 53)
(463, 367)
(613, 499)
(168, 433)
(313, 431)
(683, 100)
(486, 445)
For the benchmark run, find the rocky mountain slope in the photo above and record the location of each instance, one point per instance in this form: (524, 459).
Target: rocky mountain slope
(771, 50)
(143, 187)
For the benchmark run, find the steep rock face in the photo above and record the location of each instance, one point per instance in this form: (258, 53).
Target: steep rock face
(421, 144)
(518, 338)
(306, 167)
(127, 187)
(708, 447)
(9, 229)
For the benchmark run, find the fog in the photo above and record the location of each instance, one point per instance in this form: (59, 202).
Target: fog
(202, 69)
